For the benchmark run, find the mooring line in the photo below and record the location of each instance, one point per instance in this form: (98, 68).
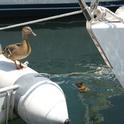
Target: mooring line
(42, 20)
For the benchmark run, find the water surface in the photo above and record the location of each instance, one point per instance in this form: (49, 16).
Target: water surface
(64, 52)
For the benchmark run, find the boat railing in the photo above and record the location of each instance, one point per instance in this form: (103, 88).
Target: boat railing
(9, 95)
(115, 16)
(103, 14)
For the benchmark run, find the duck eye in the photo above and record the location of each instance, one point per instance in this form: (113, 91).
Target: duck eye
(28, 29)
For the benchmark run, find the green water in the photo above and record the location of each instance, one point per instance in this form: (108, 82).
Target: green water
(64, 52)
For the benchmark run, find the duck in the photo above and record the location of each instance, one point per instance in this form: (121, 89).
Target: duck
(21, 50)
(82, 87)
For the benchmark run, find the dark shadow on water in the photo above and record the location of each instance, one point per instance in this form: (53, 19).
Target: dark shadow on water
(114, 115)
(17, 121)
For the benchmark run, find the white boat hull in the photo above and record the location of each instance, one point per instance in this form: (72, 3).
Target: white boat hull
(38, 100)
(107, 33)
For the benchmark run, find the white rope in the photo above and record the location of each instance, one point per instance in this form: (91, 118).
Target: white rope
(42, 20)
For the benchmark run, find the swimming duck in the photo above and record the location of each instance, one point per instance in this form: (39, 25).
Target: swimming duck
(82, 87)
(19, 51)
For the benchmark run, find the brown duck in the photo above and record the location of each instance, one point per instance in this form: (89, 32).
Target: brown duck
(82, 87)
(19, 51)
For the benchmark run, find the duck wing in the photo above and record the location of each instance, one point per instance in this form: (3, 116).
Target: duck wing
(10, 49)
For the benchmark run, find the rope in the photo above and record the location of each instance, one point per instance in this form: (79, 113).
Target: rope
(42, 20)
(85, 10)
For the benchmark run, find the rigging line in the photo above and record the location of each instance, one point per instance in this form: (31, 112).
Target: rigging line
(41, 20)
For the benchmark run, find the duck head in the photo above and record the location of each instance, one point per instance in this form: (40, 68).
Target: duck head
(27, 31)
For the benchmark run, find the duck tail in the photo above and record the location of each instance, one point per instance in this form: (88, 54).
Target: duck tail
(0, 49)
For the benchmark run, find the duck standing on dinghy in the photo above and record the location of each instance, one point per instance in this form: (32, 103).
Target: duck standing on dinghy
(19, 51)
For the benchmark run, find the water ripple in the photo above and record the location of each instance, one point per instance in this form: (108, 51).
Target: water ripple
(102, 84)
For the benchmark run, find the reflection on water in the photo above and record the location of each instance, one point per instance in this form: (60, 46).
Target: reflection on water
(64, 52)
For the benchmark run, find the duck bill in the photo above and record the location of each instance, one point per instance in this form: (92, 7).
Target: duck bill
(34, 33)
